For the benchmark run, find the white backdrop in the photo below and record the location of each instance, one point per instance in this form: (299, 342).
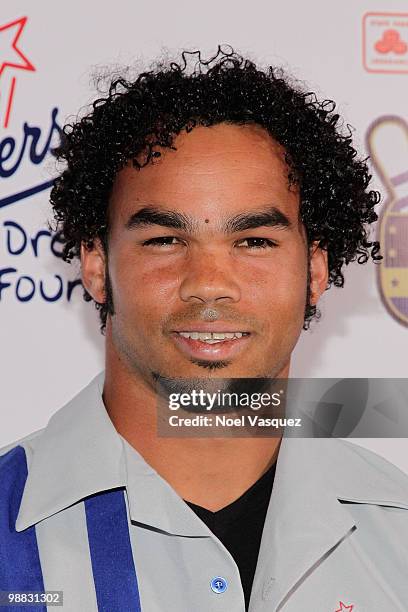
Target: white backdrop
(344, 51)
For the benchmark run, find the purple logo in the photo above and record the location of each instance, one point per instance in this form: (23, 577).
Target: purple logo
(387, 142)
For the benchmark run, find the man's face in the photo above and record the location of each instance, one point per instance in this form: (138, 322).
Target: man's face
(207, 239)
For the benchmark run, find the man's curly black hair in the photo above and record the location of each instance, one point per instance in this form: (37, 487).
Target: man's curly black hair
(149, 112)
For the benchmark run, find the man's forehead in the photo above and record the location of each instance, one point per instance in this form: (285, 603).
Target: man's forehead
(214, 172)
(218, 148)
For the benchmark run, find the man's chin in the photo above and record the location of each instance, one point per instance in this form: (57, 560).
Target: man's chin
(231, 384)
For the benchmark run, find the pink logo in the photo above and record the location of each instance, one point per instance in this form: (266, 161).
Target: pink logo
(385, 38)
(391, 42)
(344, 608)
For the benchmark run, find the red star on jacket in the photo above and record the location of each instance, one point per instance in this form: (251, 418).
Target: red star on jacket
(10, 55)
(344, 608)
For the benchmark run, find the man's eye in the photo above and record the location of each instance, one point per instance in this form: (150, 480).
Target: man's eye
(161, 241)
(256, 243)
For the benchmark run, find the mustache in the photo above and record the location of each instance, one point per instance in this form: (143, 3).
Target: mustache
(204, 312)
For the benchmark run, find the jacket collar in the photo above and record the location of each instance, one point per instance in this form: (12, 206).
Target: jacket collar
(306, 520)
(80, 453)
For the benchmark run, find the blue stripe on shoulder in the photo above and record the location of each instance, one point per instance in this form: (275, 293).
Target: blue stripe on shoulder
(20, 567)
(111, 553)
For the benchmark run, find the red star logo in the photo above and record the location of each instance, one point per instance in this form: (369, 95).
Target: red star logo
(12, 57)
(343, 607)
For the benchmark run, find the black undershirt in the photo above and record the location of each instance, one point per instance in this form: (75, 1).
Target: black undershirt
(239, 526)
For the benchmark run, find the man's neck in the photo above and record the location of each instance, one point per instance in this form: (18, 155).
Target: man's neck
(209, 472)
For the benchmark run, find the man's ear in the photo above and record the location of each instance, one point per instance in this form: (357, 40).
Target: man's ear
(319, 272)
(93, 270)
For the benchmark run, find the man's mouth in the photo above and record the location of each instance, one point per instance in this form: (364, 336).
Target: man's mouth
(212, 337)
(211, 345)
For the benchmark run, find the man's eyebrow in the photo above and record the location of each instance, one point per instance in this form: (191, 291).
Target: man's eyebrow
(150, 215)
(270, 217)
(157, 216)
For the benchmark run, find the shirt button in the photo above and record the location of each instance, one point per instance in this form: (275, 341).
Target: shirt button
(218, 584)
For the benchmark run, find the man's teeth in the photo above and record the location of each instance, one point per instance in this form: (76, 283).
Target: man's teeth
(212, 337)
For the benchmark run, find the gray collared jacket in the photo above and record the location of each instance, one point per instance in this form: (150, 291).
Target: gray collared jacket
(83, 513)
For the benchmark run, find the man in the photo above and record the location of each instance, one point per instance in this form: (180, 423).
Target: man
(211, 208)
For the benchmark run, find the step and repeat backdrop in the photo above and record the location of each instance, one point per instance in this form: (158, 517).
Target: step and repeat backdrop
(51, 57)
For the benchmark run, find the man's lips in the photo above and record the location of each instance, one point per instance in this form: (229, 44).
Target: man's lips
(218, 326)
(221, 350)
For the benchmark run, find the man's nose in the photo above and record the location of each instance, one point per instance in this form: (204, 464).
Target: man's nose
(210, 278)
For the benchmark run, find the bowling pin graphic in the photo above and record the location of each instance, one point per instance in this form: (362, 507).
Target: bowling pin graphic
(387, 142)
